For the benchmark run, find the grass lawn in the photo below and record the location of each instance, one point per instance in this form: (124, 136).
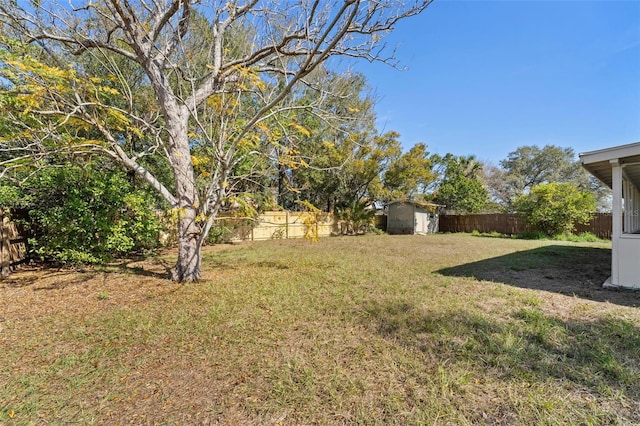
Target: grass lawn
(435, 330)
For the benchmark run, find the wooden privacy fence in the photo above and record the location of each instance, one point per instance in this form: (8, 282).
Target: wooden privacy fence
(13, 246)
(600, 224)
(501, 223)
(278, 225)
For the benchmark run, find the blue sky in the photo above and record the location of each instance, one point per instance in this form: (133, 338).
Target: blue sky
(485, 77)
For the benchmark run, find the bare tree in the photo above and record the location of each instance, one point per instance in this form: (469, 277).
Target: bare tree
(201, 58)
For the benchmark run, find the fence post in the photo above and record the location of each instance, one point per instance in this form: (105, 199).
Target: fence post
(286, 225)
(5, 249)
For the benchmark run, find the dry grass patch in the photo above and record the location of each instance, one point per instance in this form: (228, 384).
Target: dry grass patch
(444, 329)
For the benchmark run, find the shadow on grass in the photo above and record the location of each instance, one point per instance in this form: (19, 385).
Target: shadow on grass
(529, 347)
(128, 267)
(574, 271)
(62, 277)
(29, 276)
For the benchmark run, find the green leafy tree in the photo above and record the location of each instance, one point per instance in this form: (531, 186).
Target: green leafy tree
(409, 175)
(529, 166)
(368, 159)
(459, 186)
(336, 158)
(88, 214)
(532, 165)
(217, 72)
(554, 208)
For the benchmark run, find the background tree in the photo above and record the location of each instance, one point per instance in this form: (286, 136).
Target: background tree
(338, 154)
(529, 166)
(554, 208)
(459, 186)
(409, 175)
(367, 158)
(204, 62)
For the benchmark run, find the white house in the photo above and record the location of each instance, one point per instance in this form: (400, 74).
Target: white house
(619, 168)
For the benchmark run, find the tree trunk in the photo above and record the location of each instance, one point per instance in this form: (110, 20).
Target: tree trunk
(281, 184)
(188, 265)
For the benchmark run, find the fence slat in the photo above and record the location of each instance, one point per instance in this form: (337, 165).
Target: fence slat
(13, 250)
(5, 264)
(276, 225)
(600, 224)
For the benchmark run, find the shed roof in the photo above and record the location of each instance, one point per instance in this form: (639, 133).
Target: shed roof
(598, 163)
(417, 203)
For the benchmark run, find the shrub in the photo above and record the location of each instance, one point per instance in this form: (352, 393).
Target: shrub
(533, 235)
(492, 234)
(554, 208)
(588, 237)
(585, 237)
(89, 215)
(357, 217)
(10, 196)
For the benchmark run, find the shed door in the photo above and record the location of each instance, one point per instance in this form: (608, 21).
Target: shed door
(422, 223)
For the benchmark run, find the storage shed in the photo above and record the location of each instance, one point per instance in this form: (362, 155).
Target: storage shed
(619, 168)
(412, 217)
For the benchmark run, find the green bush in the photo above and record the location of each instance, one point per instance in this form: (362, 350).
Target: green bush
(219, 233)
(533, 235)
(358, 218)
(588, 237)
(10, 196)
(585, 237)
(554, 208)
(88, 215)
(492, 234)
